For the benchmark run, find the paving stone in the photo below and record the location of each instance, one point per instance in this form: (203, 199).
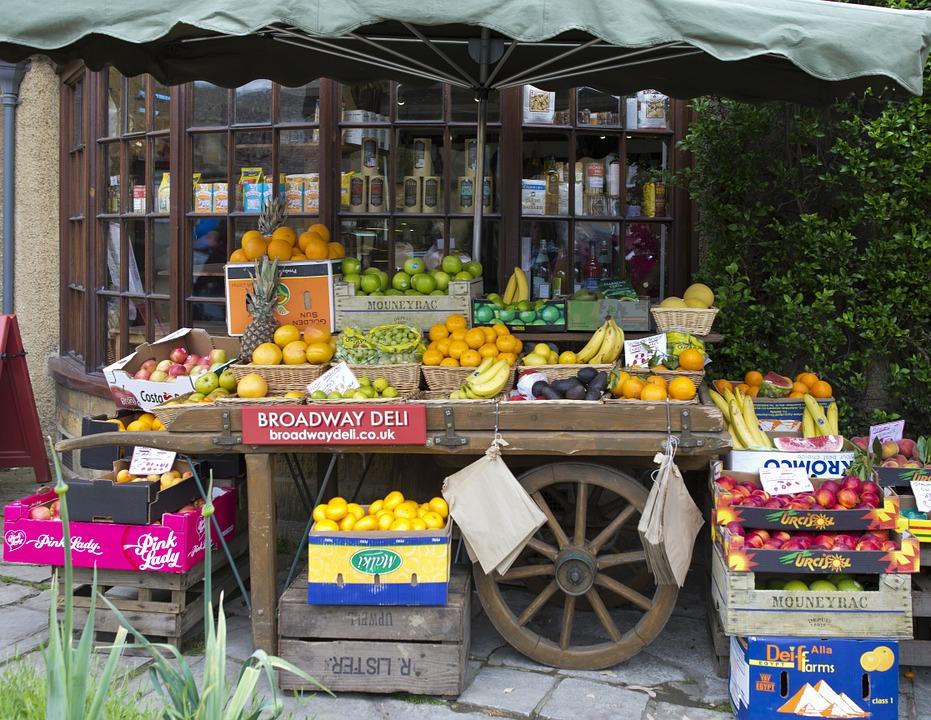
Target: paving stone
(668, 711)
(643, 669)
(38, 601)
(703, 688)
(508, 690)
(11, 593)
(684, 642)
(575, 698)
(321, 706)
(426, 708)
(485, 639)
(509, 657)
(22, 630)
(28, 573)
(238, 637)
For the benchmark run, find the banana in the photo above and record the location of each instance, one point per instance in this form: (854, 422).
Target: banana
(729, 396)
(593, 346)
(491, 382)
(817, 414)
(523, 290)
(510, 290)
(833, 419)
(753, 423)
(483, 366)
(718, 400)
(613, 350)
(606, 345)
(735, 443)
(739, 426)
(808, 424)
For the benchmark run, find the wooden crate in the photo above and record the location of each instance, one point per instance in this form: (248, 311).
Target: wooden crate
(420, 311)
(744, 610)
(420, 650)
(918, 651)
(165, 607)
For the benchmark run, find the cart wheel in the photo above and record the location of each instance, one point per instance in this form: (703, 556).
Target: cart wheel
(574, 566)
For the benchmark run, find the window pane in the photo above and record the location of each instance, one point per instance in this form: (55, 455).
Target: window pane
(135, 235)
(420, 103)
(74, 328)
(253, 149)
(367, 240)
(597, 158)
(137, 176)
(114, 103)
(77, 114)
(545, 108)
(111, 173)
(136, 315)
(211, 104)
(109, 311)
(598, 253)
(161, 178)
(546, 161)
(645, 245)
(420, 171)
(364, 168)
(544, 255)
(209, 160)
(463, 159)
(161, 104)
(366, 102)
(77, 254)
(110, 230)
(208, 254)
(646, 163)
(161, 318)
(209, 316)
(299, 162)
(135, 104)
(414, 237)
(161, 258)
(254, 102)
(597, 108)
(460, 239)
(465, 106)
(300, 104)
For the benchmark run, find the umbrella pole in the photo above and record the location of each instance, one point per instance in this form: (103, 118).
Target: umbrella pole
(478, 188)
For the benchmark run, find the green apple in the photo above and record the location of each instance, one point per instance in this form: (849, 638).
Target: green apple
(334, 396)
(228, 380)
(370, 283)
(206, 383)
(364, 381)
(823, 586)
(355, 279)
(318, 395)
(414, 266)
(372, 270)
(401, 281)
(439, 292)
(380, 384)
(463, 275)
(441, 279)
(389, 392)
(392, 291)
(360, 394)
(423, 283)
(351, 266)
(795, 585)
(474, 268)
(411, 291)
(195, 397)
(451, 264)
(383, 279)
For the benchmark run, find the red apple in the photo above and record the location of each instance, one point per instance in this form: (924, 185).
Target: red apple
(852, 482)
(178, 355)
(890, 449)
(868, 486)
(824, 540)
(753, 502)
(158, 376)
(907, 447)
(735, 528)
(793, 544)
(848, 498)
(825, 498)
(900, 459)
(142, 374)
(869, 545)
(831, 485)
(177, 370)
(754, 541)
(870, 500)
(773, 504)
(149, 365)
(799, 505)
(40, 512)
(736, 542)
(781, 535)
(725, 482)
(911, 464)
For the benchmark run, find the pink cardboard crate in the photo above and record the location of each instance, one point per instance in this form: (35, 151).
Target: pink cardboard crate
(175, 545)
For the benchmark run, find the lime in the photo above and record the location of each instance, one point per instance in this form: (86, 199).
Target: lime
(389, 392)
(370, 283)
(411, 291)
(506, 316)
(351, 266)
(439, 292)
(392, 291)
(380, 384)
(372, 271)
(318, 395)
(401, 281)
(484, 314)
(414, 266)
(466, 276)
(528, 316)
(524, 305)
(422, 282)
(550, 313)
(441, 279)
(474, 268)
(355, 279)
(452, 264)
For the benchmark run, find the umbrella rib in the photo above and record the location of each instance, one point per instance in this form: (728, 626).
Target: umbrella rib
(396, 53)
(435, 48)
(512, 46)
(550, 61)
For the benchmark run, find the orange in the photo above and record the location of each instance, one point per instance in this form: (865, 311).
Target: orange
(470, 358)
(632, 388)
(295, 353)
(295, 256)
(795, 394)
(319, 353)
(681, 389)
(753, 391)
(722, 385)
(821, 389)
(432, 346)
(657, 380)
(286, 334)
(456, 348)
(250, 235)
(510, 358)
(618, 388)
(316, 248)
(753, 378)
(808, 378)
(305, 238)
(335, 250)
(455, 322)
(653, 392)
(520, 346)
(500, 329)
(432, 357)
(438, 332)
(691, 359)
(267, 354)
(458, 334)
(279, 249)
(506, 343)
(743, 387)
(443, 346)
(488, 350)
(449, 362)
(285, 233)
(490, 334)
(439, 506)
(799, 387)
(317, 333)
(239, 256)
(254, 248)
(475, 338)
(321, 229)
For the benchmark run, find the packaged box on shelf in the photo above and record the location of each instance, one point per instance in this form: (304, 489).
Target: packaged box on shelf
(175, 544)
(420, 311)
(901, 477)
(782, 415)
(817, 464)
(305, 293)
(631, 315)
(129, 392)
(805, 677)
(102, 458)
(551, 317)
(920, 528)
(379, 568)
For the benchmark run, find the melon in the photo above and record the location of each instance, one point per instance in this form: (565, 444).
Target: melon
(824, 444)
(775, 386)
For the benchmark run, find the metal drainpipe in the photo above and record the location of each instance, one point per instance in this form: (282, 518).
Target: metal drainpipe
(10, 77)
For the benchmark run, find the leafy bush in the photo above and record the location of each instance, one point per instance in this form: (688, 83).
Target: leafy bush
(817, 239)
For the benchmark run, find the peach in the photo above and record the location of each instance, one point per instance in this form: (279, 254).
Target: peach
(848, 498)
(908, 448)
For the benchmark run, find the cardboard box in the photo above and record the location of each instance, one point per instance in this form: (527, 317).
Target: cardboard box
(822, 466)
(533, 197)
(420, 311)
(379, 568)
(312, 192)
(221, 197)
(901, 477)
(788, 677)
(305, 294)
(102, 458)
(551, 317)
(129, 392)
(203, 198)
(175, 544)
(782, 415)
(921, 529)
(255, 196)
(631, 315)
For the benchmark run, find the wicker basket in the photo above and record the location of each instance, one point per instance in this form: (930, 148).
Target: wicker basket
(167, 413)
(441, 397)
(282, 378)
(240, 402)
(697, 321)
(696, 376)
(561, 372)
(401, 398)
(405, 378)
(644, 403)
(446, 379)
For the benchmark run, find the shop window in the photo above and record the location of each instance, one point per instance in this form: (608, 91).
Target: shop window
(74, 325)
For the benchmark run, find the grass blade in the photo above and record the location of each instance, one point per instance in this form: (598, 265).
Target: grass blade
(103, 683)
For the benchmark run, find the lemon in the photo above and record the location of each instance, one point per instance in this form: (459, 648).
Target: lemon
(147, 418)
(286, 334)
(701, 292)
(336, 509)
(365, 524)
(696, 303)
(439, 506)
(404, 511)
(267, 354)
(542, 349)
(295, 353)
(355, 510)
(376, 507)
(347, 523)
(401, 524)
(385, 520)
(568, 358)
(326, 526)
(673, 302)
(433, 520)
(294, 394)
(393, 499)
(138, 426)
(119, 424)
(418, 524)
(320, 512)
(533, 359)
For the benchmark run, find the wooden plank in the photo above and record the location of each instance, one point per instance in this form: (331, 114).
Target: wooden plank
(148, 623)
(381, 667)
(915, 652)
(921, 595)
(262, 544)
(297, 619)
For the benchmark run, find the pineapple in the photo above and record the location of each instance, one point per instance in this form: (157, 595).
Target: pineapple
(260, 304)
(271, 218)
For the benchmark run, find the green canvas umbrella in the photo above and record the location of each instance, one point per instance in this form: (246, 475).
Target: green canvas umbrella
(810, 51)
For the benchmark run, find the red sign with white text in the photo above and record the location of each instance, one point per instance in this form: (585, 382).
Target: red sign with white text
(344, 424)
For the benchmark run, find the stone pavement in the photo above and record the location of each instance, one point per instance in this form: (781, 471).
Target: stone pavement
(671, 680)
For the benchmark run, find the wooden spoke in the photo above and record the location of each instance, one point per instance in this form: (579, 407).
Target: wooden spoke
(539, 601)
(551, 520)
(581, 513)
(624, 558)
(604, 616)
(546, 550)
(527, 571)
(568, 612)
(611, 528)
(619, 588)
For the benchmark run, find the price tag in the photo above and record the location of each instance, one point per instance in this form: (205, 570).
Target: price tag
(149, 461)
(890, 431)
(637, 353)
(337, 379)
(921, 489)
(785, 481)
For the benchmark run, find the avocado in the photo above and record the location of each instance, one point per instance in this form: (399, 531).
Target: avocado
(538, 387)
(600, 382)
(593, 395)
(563, 386)
(550, 394)
(576, 392)
(586, 375)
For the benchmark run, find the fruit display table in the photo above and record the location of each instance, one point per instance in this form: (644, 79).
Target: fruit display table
(591, 509)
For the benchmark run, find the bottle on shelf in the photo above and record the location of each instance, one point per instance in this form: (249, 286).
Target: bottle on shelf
(592, 269)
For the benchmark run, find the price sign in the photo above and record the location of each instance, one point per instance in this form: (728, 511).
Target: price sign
(890, 431)
(337, 379)
(921, 489)
(149, 461)
(785, 480)
(637, 353)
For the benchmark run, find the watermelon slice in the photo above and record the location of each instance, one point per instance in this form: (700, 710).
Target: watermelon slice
(824, 444)
(775, 386)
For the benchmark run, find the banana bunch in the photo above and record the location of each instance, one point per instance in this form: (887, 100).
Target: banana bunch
(604, 346)
(517, 289)
(486, 381)
(814, 420)
(741, 419)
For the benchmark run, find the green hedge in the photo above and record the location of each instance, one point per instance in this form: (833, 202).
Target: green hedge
(816, 225)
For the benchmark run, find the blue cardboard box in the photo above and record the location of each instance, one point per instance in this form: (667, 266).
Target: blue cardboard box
(788, 677)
